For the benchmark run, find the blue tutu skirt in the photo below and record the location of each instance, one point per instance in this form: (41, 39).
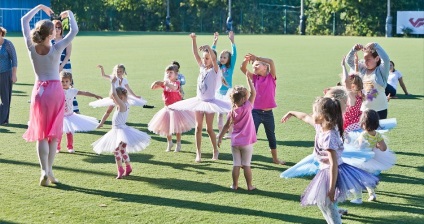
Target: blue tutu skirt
(351, 181)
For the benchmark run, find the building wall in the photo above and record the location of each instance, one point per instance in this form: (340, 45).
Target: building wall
(12, 11)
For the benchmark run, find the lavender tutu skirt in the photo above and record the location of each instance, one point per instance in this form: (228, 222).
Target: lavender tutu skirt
(208, 106)
(167, 122)
(350, 182)
(79, 123)
(136, 140)
(105, 102)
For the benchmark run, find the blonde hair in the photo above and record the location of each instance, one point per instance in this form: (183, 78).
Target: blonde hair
(119, 66)
(238, 97)
(121, 91)
(43, 29)
(268, 69)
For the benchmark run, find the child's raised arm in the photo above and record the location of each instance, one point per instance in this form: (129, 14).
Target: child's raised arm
(103, 72)
(115, 96)
(243, 66)
(252, 90)
(300, 115)
(213, 56)
(86, 93)
(233, 49)
(194, 49)
(215, 40)
(156, 85)
(130, 91)
(269, 61)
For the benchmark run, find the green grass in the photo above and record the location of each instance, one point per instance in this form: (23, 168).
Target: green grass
(170, 187)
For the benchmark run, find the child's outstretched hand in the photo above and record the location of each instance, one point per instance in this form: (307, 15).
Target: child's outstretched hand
(358, 47)
(193, 36)
(98, 97)
(370, 46)
(286, 117)
(100, 66)
(231, 36)
(215, 37)
(64, 14)
(252, 57)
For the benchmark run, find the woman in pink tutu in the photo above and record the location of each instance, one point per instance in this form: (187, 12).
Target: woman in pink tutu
(47, 99)
(336, 180)
(122, 139)
(205, 105)
(167, 121)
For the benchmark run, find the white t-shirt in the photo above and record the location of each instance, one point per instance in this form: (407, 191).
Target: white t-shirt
(394, 78)
(69, 98)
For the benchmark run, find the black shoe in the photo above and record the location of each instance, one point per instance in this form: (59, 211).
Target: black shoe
(148, 106)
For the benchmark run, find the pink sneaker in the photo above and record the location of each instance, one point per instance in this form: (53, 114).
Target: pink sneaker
(128, 170)
(120, 172)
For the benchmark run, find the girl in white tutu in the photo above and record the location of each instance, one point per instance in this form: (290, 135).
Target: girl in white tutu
(133, 99)
(72, 121)
(205, 105)
(336, 180)
(372, 140)
(167, 121)
(122, 139)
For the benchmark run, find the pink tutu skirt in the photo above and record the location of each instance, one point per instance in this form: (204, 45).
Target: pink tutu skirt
(46, 111)
(208, 106)
(79, 123)
(136, 140)
(167, 122)
(350, 182)
(105, 102)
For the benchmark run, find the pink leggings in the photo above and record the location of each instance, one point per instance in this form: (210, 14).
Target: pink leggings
(121, 154)
(70, 138)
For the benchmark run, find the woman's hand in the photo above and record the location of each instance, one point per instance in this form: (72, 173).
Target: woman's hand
(64, 14)
(46, 9)
(14, 78)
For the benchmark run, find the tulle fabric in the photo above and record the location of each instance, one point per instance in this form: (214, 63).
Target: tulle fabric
(350, 182)
(46, 111)
(226, 98)
(136, 140)
(79, 123)
(105, 102)
(167, 122)
(195, 104)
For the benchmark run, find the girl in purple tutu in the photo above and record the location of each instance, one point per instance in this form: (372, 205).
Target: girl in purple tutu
(205, 105)
(45, 124)
(122, 139)
(244, 135)
(167, 121)
(335, 181)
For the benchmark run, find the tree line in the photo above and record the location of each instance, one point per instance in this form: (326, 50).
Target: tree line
(323, 17)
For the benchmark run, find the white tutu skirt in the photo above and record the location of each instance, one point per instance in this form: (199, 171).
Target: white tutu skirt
(380, 160)
(167, 122)
(351, 181)
(136, 140)
(195, 104)
(79, 123)
(226, 97)
(105, 102)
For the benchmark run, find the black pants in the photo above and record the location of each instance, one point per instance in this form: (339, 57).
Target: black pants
(382, 114)
(6, 96)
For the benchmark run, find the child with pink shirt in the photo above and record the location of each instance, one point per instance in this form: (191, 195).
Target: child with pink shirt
(264, 78)
(244, 134)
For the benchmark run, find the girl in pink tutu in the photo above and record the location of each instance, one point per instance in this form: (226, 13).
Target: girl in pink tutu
(133, 99)
(336, 180)
(47, 100)
(74, 122)
(122, 139)
(244, 135)
(167, 121)
(205, 105)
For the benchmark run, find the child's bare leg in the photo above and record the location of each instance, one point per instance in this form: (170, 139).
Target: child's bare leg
(236, 174)
(275, 157)
(170, 143)
(178, 148)
(105, 116)
(211, 133)
(220, 121)
(198, 135)
(248, 176)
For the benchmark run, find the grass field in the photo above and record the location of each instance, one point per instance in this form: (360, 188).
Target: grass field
(171, 187)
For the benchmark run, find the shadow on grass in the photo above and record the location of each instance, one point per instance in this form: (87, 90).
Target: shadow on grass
(2, 221)
(306, 144)
(23, 84)
(192, 205)
(413, 200)
(24, 126)
(410, 154)
(398, 178)
(407, 97)
(389, 219)
(6, 131)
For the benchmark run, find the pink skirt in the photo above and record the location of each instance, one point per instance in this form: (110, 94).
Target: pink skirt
(167, 122)
(46, 111)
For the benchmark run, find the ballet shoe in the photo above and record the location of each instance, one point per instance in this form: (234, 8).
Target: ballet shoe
(128, 170)
(44, 181)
